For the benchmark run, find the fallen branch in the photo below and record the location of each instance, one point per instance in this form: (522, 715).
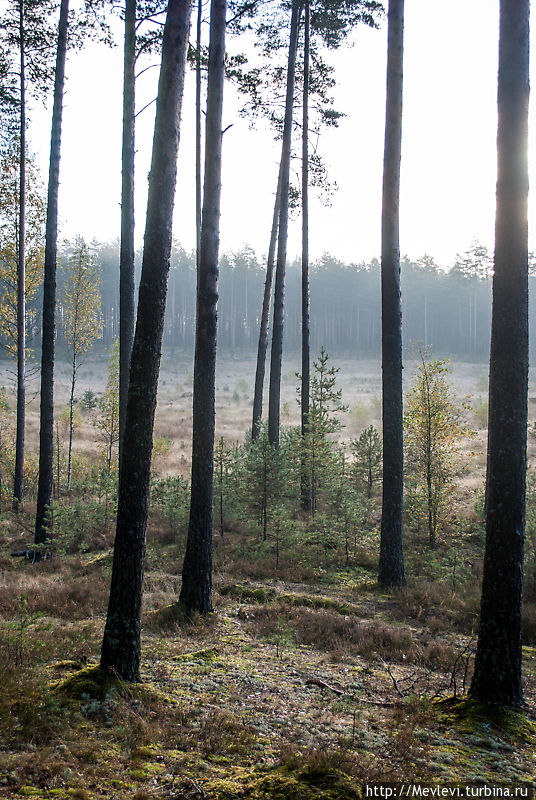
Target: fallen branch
(323, 685)
(395, 682)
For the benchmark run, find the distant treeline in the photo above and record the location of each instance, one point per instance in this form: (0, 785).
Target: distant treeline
(448, 310)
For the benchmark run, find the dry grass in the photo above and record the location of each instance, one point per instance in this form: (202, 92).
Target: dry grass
(343, 636)
(435, 604)
(51, 588)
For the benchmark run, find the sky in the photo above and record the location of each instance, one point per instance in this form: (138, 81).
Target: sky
(448, 145)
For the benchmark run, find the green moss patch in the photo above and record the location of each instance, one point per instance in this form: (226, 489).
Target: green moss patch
(477, 718)
(248, 594)
(91, 682)
(318, 602)
(207, 654)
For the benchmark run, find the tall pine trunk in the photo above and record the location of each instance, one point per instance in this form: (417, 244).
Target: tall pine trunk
(121, 642)
(18, 478)
(391, 567)
(497, 676)
(274, 397)
(46, 430)
(196, 589)
(198, 188)
(126, 257)
(305, 365)
(265, 320)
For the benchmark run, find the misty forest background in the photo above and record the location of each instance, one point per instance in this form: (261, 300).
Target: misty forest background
(445, 308)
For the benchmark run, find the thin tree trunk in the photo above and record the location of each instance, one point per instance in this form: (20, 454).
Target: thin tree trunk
(58, 464)
(279, 292)
(198, 132)
(431, 520)
(391, 567)
(126, 257)
(46, 431)
(121, 642)
(71, 406)
(221, 496)
(196, 589)
(265, 319)
(497, 676)
(18, 478)
(305, 367)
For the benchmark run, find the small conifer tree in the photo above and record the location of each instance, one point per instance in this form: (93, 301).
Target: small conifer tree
(366, 468)
(325, 406)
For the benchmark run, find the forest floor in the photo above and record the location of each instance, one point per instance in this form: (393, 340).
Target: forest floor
(307, 682)
(298, 688)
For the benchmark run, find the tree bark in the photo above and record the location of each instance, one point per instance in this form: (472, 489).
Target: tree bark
(196, 589)
(279, 292)
(391, 567)
(18, 478)
(305, 366)
(126, 257)
(46, 430)
(121, 642)
(198, 132)
(265, 320)
(497, 676)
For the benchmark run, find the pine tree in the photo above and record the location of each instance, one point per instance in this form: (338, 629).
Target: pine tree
(281, 263)
(391, 568)
(28, 40)
(126, 255)
(196, 589)
(264, 481)
(46, 428)
(121, 641)
(325, 406)
(497, 675)
(366, 467)
(141, 37)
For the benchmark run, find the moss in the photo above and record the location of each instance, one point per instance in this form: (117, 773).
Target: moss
(476, 718)
(149, 770)
(206, 654)
(305, 784)
(328, 603)
(91, 681)
(249, 594)
(101, 559)
(144, 753)
(64, 666)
